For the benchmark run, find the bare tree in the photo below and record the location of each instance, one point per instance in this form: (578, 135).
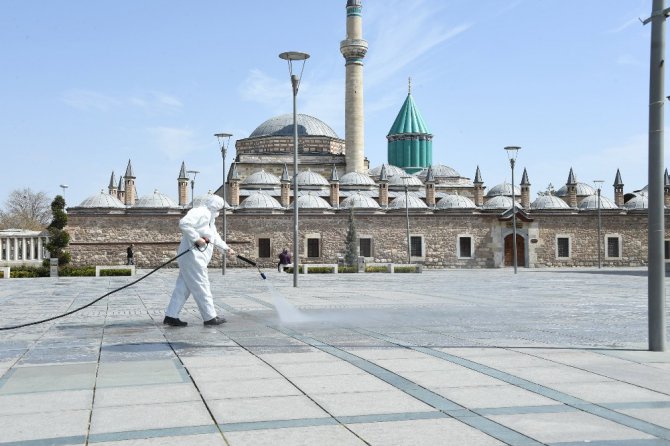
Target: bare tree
(25, 209)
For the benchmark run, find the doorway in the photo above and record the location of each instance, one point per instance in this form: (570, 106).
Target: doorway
(520, 251)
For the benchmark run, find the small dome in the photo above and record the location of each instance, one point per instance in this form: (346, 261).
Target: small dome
(391, 171)
(356, 179)
(549, 202)
(414, 202)
(260, 200)
(261, 178)
(503, 189)
(500, 202)
(455, 202)
(583, 190)
(312, 201)
(309, 178)
(155, 200)
(283, 126)
(639, 202)
(400, 181)
(359, 200)
(439, 171)
(102, 200)
(590, 203)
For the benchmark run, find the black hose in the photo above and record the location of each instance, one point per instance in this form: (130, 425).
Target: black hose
(252, 263)
(96, 300)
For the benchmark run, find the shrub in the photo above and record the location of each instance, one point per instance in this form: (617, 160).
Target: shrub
(115, 272)
(320, 270)
(71, 271)
(405, 269)
(347, 269)
(22, 272)
(376, 269)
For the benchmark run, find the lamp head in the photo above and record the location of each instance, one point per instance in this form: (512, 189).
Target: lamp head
(598, 184)
(512, 152)
(64, 186)
(294, 55)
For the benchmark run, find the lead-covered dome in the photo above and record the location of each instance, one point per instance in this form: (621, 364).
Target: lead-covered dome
(391, 171)
(102, 200)
(260, 200)
(439, 171)
(503, 189)
(401, 181)
(455, 202)
(590, 203)
(356, 179)
(358, 200)
(312, 201)
(155, 200)
(583, 190)
(283, 126)
(549, 202)
(500, 202)
(261, 178)
(309, 178)
(413, 202)
(639, 202)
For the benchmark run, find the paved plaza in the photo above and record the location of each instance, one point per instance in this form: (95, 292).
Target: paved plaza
(450, 357)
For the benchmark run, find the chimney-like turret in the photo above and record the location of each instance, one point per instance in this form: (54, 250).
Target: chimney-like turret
(182, 186)
(285, 180)
(129, 180)
(479, 188)
(618, 189)
(334, 188)
(525, 190)
(234, 181)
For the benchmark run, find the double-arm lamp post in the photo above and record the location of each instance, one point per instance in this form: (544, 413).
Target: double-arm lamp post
(224, 141)
(290, 57)
(512, 152)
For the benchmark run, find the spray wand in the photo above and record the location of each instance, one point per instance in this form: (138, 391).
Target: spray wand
(252, 263)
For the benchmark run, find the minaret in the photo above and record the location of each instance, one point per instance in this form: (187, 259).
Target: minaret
(572, 189)
(430, 187)
(479, 188)
(182, 186)
(112, 185)
(525, 190)
(354, 49)
(618, 189)
(285, 188)
(129, 179)
(334, 188)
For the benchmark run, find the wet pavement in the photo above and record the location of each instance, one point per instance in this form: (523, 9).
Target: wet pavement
(462, 357)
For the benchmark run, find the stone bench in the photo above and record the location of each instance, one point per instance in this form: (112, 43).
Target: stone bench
(307, 266)
(99, 268)
(5, 271)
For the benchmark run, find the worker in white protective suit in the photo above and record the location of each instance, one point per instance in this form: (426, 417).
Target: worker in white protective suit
(197, 228)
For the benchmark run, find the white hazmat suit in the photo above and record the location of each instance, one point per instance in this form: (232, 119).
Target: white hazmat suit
(197, 226)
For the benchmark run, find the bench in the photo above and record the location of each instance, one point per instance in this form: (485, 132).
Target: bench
(5, 271)
(99, 268)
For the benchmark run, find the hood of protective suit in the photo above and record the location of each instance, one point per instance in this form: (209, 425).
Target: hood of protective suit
(214, 203)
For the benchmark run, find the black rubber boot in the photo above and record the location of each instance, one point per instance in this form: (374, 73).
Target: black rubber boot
(174, 322)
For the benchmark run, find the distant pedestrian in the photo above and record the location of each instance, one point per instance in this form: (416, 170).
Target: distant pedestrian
(284, 259)
(130, 255)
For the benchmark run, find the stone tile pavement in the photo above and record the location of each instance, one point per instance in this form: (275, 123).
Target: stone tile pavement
(454, 357)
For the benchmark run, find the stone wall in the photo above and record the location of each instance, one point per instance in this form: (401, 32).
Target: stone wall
(101, 239)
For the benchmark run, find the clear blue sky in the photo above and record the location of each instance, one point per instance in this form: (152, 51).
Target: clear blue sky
(87, 85)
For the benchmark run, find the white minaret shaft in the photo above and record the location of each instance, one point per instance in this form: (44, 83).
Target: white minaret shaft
(354, 49)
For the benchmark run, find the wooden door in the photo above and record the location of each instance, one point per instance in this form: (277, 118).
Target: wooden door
(520, 251)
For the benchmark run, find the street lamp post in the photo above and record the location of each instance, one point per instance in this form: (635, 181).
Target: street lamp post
(194, 173)
(224, 141)
(64, 186)
(512, 152)
(290, 57)
(599, 185)
(409, 246)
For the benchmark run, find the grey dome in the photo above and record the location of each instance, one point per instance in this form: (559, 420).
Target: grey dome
(261, 178)
(156, 200)
(309, 178)
(455, 202)
(283, 126)
(500, 202)
(439, 170)
(400, 181)
(503, 189)
(356, 179)
(414, 202)
(359, 200)
(638, 202)
(390, 171)
(312, 201)
(590, 203)
(260, 200)
(549, 202)
(583, 190)
(102, 200)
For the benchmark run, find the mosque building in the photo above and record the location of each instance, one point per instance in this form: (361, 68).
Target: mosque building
(406, 207)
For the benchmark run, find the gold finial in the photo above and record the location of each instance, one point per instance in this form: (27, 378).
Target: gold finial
(409, 85)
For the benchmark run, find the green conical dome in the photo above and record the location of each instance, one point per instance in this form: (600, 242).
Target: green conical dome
(409, 120)
(410, 143)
